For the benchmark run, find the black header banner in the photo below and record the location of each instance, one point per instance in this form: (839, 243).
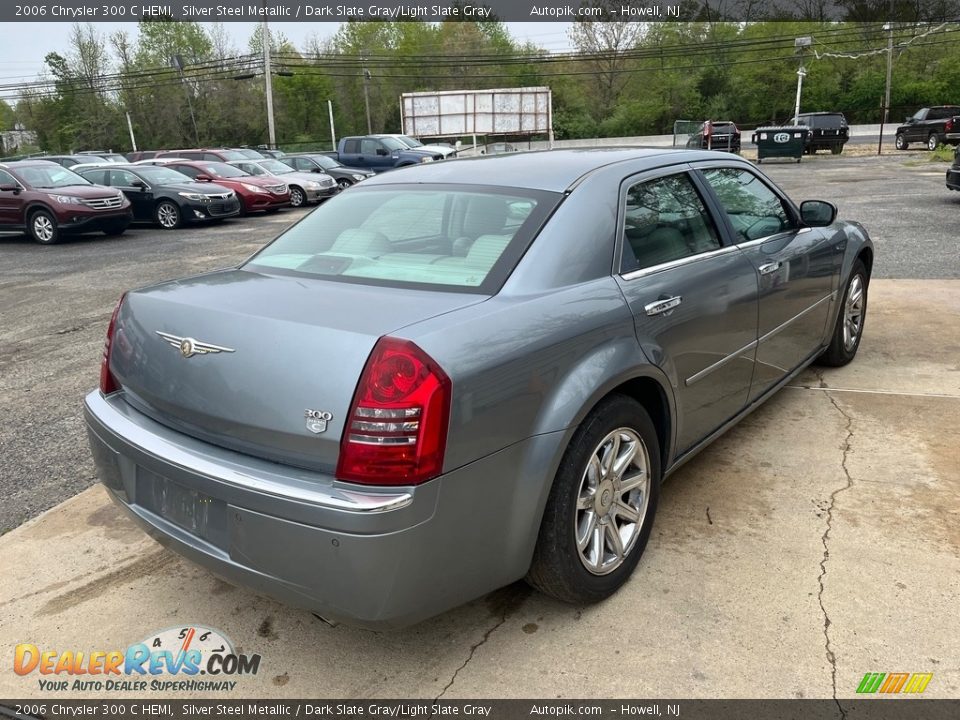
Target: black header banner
(892, 708)
(300, 11)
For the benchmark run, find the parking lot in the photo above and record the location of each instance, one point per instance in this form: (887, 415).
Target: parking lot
(815, 542)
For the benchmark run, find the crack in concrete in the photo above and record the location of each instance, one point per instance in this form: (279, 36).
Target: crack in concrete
(831, 657)
(473, 650)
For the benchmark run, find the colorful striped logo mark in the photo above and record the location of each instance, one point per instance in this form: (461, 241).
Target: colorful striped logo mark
(891, 683)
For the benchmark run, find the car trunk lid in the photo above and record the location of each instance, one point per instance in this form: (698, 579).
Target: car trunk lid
(262, 364)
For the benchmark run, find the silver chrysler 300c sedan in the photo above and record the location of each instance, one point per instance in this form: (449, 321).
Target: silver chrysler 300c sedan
(465, 373)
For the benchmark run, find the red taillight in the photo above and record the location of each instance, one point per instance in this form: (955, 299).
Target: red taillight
(108, 383)
(949, 126)
(396, 432)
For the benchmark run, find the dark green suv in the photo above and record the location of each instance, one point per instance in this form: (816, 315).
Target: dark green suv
(828, 131)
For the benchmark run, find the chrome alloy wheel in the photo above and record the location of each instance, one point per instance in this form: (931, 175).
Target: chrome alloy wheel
(167, 216)
(43, 228)
(853, 313)
(612, 501)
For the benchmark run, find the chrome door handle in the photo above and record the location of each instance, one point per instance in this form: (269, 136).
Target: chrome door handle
(662, 306)
(768, 268)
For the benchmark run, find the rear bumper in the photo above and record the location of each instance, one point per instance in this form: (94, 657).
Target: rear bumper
(953, 178)
(372, 557)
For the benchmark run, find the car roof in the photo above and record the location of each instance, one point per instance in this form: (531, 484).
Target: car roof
(821, 112)
(551, 170)
(39, 162)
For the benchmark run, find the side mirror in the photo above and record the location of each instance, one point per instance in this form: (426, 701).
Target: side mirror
(315, 170)
(817, 213)
(203, 178)
(139, 184)
(10, 187)
(908, 121)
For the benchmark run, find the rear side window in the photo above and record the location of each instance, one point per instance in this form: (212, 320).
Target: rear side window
(665, 220)
(426, 236)
(351, 146)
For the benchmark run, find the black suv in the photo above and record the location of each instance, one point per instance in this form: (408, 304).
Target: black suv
(717, 135)
(828, 131)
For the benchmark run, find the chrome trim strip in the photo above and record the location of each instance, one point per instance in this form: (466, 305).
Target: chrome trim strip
(720, 363)
(768, 238)
(799, 315)
(116, 423)
(643, 272)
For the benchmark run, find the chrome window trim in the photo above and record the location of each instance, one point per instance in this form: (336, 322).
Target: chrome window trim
(799, 315)
(720, 363)
(760, 241)
(643, 272)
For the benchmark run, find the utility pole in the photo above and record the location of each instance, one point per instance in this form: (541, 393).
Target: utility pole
(133, 140)
(366, 91)
(177, 62)
(800, 44)
(333, 133)
(886, 94)
(268, 85)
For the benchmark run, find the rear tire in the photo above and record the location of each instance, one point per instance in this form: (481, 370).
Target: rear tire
(901, 143)
(601, 507)
(836, 149)
(848, 330)
(933, 142)
(43, 227)
(167, 215)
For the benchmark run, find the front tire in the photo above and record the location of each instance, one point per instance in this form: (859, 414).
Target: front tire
(933, 142)
(601, 507)
(43, 228)
(901, 143)
(343, 184)
(297, 197)
(167, 215)
(836, 149)
(849, 328)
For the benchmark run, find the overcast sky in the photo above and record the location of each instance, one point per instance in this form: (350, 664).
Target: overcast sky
(24, 45)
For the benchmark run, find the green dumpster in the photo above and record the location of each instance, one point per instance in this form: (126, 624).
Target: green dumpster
(785, 141)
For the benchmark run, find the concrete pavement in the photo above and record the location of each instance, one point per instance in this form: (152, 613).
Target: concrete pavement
(815, 542)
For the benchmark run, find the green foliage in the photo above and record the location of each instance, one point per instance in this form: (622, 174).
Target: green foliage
(625, 79)
(7, 118)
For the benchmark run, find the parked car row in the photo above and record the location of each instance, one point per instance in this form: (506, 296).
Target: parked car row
(825, 131)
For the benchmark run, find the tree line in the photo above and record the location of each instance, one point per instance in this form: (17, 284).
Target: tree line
(184, 83)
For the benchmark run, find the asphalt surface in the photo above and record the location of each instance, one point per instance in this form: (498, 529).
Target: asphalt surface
(56, 301)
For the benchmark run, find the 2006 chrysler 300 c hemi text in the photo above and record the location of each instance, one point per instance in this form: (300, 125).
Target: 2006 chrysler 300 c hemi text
(461, 374)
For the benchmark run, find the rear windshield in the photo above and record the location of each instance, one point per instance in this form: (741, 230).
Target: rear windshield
(824, 121)
(465, 238)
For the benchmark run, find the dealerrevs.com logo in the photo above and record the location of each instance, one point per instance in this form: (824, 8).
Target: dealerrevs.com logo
(192, 658)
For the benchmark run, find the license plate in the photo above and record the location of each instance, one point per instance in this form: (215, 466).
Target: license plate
(195, 512)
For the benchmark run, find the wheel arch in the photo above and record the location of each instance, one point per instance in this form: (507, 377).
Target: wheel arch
(33, 207)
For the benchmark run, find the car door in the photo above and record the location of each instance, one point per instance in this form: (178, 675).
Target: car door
(140, 197)
(915, 131)
(11, 202)
(693, 299)
(797, 268)
(375, 155)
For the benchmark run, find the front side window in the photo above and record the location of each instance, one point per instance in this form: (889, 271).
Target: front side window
(369, 147)
(426, 236)
(187, 170)
(7, 179)
(754, 210)
(665, 220)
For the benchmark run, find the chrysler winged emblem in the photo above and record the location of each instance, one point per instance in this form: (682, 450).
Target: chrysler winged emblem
(189, 347)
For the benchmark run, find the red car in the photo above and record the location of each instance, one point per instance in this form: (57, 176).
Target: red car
(47, 200)
(255, 193)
